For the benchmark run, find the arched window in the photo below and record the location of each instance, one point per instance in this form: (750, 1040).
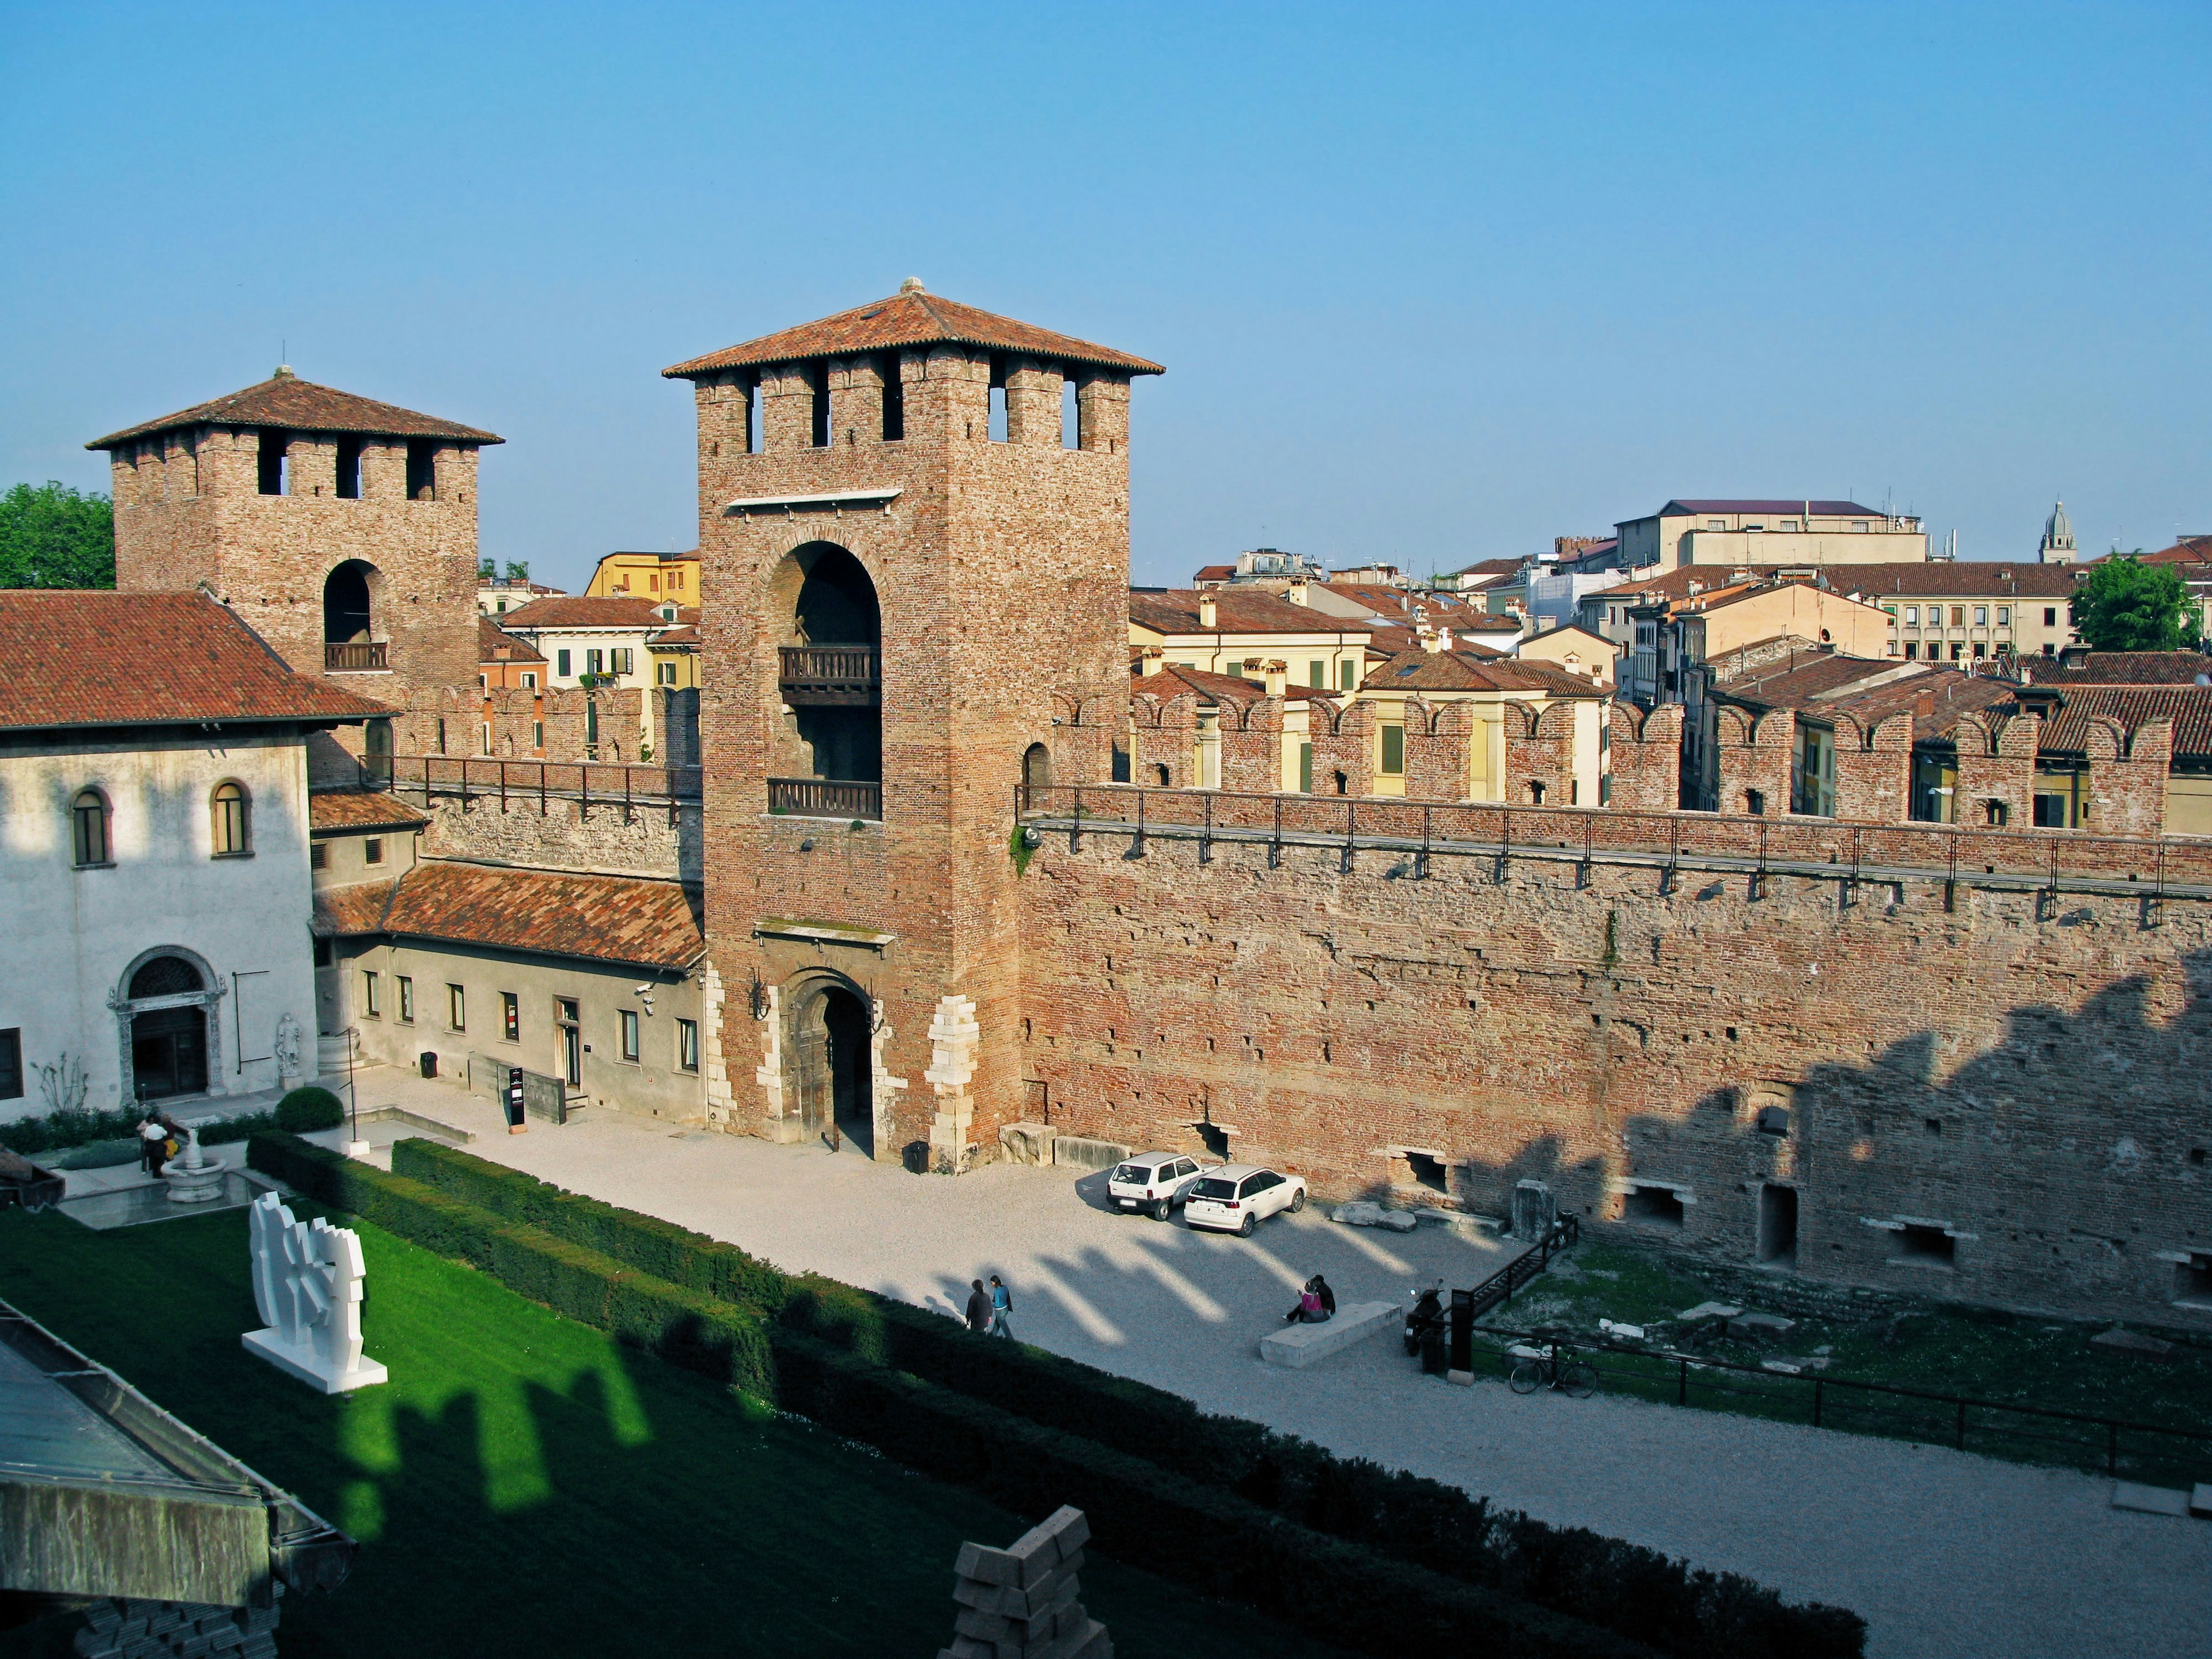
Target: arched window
(1343, 783)
(345, 604)
(1535, 793)
(88, 827)
(227, 809)
(1037, 767)
(1160, 775)
(1755, 802)
(165, 976)
(1999, 813)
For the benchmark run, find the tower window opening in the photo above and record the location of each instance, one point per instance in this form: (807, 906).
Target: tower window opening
(272, 462)
(997, 430)
(422, 470)
(818, 385)
(756, 424)
(894, 398)
(349, 469)
(1071, 416)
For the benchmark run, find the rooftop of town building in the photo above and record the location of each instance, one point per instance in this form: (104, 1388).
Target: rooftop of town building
(286, 401)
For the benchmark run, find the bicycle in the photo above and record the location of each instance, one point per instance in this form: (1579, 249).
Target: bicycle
(1570, 1376)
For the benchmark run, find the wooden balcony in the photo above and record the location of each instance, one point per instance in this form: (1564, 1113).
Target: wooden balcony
(830, 675)
(825, 798)
(356, 657)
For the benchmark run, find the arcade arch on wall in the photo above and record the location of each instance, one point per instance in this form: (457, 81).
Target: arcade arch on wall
(831, 1062)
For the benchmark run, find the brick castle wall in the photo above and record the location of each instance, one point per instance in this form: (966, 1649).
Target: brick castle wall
(2022, 1075)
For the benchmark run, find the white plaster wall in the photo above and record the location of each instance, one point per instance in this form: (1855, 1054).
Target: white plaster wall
(70, 934)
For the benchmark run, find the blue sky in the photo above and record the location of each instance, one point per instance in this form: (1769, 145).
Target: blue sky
(1431, 284)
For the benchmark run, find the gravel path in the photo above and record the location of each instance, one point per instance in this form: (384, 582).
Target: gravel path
(1943, 1554)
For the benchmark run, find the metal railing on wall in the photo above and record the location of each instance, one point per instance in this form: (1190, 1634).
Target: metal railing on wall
(825, 798)
(471, 779)
(2152, 1452)
(2046, 860)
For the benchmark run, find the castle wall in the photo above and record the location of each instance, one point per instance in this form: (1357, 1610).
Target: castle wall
(2016, 1081)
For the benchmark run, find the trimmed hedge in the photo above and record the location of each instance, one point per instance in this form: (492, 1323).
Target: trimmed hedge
(701, 1334)
(1622, 1587)
(307, 1109)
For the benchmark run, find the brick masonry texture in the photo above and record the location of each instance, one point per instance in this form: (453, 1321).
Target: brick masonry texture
(2032, 1087)
(1001, 572)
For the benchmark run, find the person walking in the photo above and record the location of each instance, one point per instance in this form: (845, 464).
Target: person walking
(979, 1308)
(1002, 1307)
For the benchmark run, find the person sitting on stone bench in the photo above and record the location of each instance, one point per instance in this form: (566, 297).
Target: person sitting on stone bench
(1316, 1304)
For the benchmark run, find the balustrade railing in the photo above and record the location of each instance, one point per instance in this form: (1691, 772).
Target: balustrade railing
(357, 656)
(829, 674)
(825, 798)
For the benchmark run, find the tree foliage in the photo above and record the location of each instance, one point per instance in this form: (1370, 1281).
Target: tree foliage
(53, 536)
(2127, 606)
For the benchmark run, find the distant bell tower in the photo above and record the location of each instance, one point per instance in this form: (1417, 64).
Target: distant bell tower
(914, 521)
(2057, 544)
(343, 529)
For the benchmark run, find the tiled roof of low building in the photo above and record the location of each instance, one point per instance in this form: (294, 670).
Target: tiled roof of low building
(687, 634)
(1236, 611)
(1870, 690)
(1969, 578)
(584, 610)
(360, 809)
(2189, 707)
(1214, 572)
(1174, 680)
(286, 401)
(1491, 567)
(75, 658)
(350, 912)
(1467, 671)
(495, 644)
(911, 317)
(2117, 668)
(624, 918)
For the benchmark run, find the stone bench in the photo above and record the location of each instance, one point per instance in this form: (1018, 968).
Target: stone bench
(1300, 1346)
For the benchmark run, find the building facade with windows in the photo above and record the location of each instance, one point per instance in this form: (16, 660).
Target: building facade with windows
(155, 860)
(660, 578)
(1237, 631)
(1768, 533)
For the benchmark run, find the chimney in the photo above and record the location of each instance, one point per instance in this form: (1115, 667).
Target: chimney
(1296, 592)
(1434, 640)
(1208, 612)
(1275, 675)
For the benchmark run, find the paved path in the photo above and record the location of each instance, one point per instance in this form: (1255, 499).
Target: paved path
(1943, 1554)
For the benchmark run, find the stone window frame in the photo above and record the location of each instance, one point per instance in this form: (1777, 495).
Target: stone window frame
(94, 799)
(222, 823)
(127, 1008)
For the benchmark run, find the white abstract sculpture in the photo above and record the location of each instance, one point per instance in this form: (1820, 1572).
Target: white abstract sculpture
(307, 1283)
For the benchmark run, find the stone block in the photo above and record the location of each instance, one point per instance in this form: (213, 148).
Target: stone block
(1397, 1221)
(1710, 1311)
(1078, 1152)
(990, 1566)
(1620, 1332)
(1028, 1143)
(1296, 1347)
(1533, 1210)
(1358, 1214)
(2200, 1499)
(1760, 1326)
(2121, 1340)
(2149, 1500)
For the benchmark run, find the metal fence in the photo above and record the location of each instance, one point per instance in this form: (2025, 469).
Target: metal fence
(2157, 1454)
(592, 783)
(2029, 859)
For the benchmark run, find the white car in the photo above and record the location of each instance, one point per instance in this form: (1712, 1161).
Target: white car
(1238, 1197)
(1153, 1183)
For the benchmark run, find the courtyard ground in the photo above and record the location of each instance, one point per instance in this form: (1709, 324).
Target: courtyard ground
(525, 1486)
(1943, 1554)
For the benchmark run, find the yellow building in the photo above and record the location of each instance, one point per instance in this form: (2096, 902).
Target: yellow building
(1505, 692)
(1233, 631)
(671, 577)
(675, 653)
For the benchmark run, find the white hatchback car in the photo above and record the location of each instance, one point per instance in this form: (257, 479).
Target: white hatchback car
(1238, 1197)
(1153, 1183)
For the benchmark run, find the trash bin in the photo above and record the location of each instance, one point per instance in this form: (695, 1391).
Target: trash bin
(916, 1156)
(430, 1062)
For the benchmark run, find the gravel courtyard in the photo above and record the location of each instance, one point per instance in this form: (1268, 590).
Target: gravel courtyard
(1943, 1554)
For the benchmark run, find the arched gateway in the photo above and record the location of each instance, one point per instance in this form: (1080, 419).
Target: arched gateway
(831, 1065)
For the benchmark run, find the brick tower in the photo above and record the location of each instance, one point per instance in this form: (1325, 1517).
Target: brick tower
(343, 529)
(913, 520)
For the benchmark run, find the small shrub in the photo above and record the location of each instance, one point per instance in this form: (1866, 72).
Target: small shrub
(305, 1110)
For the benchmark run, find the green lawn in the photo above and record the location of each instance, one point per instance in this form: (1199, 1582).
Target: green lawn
(1982, 1355)
(524, 1485)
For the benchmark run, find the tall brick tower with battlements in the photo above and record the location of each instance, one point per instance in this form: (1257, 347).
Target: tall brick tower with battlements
(343, 529)
(914, 523)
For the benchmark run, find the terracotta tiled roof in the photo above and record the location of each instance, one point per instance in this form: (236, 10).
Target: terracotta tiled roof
(1464, 671)
(910, 318)
(1237, 610)
(2189, 707)
(1214, 572)
(1492, 568)
(2118, 668)
(1961, 579)
(1800, 506)
(687, 634)
(1173, 680)
(2189, 550)
(495, 644)
(360, 809)
(352, 910)
(580, 610)
(82, 658)
(285, 400)
(651, 924)
(1936, 698)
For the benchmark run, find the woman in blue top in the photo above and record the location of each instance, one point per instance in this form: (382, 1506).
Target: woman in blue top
(1002, 1304)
